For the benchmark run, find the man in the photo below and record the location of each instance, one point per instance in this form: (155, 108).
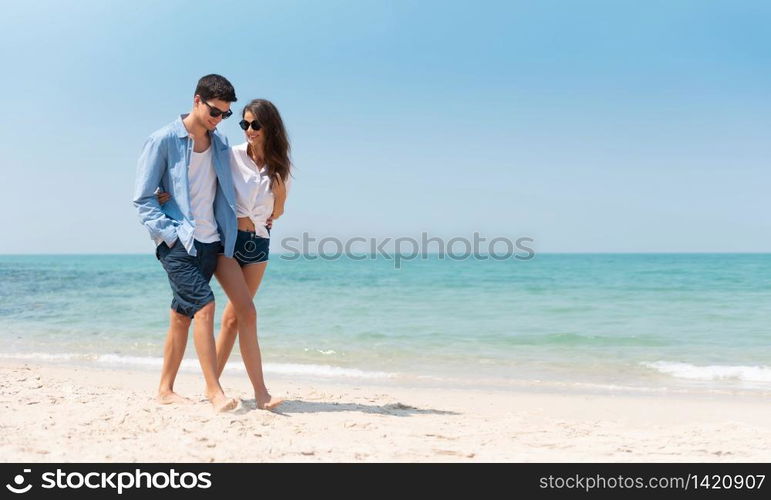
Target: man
(189, 159)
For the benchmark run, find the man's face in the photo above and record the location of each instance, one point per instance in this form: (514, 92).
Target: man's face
(205, 108)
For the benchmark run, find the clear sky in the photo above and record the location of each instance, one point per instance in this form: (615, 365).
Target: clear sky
(590, 126)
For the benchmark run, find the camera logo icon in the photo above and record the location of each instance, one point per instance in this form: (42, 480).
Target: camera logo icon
(18, 480)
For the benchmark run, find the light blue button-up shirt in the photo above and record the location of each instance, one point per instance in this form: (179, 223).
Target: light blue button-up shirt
(163, 164)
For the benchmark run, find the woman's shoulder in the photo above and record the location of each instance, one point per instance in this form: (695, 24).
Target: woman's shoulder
(238, 153)
(239, 148)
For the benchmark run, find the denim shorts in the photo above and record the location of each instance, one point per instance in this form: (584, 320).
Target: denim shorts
(250, 248)
(189, 276)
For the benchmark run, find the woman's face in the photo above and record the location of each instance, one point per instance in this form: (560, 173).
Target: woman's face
(253, 137)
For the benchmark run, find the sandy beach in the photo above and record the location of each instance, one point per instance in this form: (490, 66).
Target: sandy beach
(53, 413)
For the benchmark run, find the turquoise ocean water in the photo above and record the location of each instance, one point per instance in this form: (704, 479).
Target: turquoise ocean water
(641, 322)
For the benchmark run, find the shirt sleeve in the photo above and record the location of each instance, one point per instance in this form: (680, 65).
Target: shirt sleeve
(150, 170)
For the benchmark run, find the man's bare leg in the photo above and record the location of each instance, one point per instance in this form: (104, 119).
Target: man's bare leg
(203, 336)
(173, 352)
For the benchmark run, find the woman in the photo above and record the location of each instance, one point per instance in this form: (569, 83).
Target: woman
(261, 169)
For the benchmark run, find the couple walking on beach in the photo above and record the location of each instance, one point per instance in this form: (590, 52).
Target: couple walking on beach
(209, 208)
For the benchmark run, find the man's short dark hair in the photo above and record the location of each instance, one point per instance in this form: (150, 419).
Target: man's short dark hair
(215, 87)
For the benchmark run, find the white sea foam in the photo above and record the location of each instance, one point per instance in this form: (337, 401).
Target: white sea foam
(712, 372)
(141, 361)
(117, 360)
(323, 371)
(327, 352)
(42, 356)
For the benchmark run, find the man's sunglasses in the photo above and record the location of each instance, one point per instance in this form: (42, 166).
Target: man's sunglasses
(254, 123)
(216, 112)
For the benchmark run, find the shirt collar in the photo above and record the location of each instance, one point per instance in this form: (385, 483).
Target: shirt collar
(181, 132)
(179, 127)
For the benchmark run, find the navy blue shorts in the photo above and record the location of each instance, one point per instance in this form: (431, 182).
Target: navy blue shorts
(189, 276)
(250, 248)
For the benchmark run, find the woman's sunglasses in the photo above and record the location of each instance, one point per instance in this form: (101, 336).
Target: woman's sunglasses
(245, 125)
(216, 112)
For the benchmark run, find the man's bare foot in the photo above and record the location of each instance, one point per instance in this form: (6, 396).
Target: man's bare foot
(171, 397)
(267, 402)
(221, 403)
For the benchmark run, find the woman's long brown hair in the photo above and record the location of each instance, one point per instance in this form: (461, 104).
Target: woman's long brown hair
(276, 144)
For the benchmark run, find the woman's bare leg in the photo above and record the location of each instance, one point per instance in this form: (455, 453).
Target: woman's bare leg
(240, 285)
(227, 337)
(250, 347)
(239, 310)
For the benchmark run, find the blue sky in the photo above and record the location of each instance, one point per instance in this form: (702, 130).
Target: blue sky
(589, 126)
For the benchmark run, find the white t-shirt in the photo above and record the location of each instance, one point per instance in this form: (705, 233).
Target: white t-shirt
(254, 198)
(202, 181)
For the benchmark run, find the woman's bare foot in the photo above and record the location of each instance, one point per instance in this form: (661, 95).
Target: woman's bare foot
(267, 402)
(171, 397)
(221, 403)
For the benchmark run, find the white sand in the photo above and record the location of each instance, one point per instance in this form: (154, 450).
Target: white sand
(53, 413)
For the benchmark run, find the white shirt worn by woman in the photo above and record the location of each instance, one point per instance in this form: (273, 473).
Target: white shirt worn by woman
(254, 198)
